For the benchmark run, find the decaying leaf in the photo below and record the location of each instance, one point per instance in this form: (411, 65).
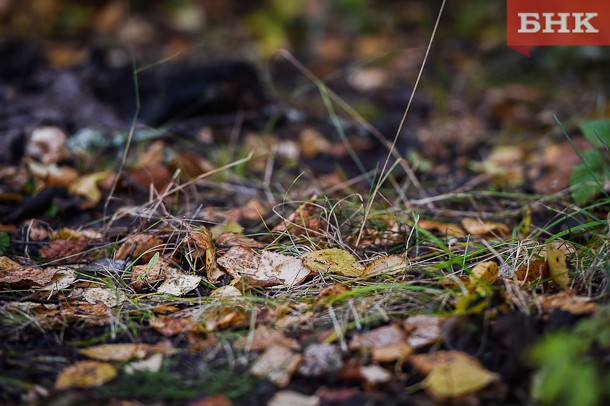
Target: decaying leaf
(263, 338)
(374, 374)
(109, 297)
(386, 265)
(321, 360)
(332, 260)
(534, 271)
(266, 269)
(558, 269)
(331, 291)
(223, 317)
(171, 326)
(125, 352)
(568, 302)
(277, 364)
(305, 219)
(151, 364)
(7, 264)
(226, 291)
(51, 278)
(378, 338)
(423, 330)
(457, 377)
(395, 352)
(85, 374)
(141, 245)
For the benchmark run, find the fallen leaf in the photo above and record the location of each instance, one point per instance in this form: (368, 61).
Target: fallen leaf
(125, 352)
(424, 363)
(107, 296)
(7, 264)
(87, 187)
(277, 364)
(568, 302)
(265, 337)
(321, 360)
(331, 291)
(290, 398)
(394, 352)
(85, 374)
(201, 245)
(450, 230)
(51, 278)
(457, 377)
(332, 260)
(481, 228)
(378, 338)
(46, 144)
(151, 364)
(215, 400)
(423, 330)
(155, 174)
(172, 326)
(305, 219)
(223, 317)
(266, 269)
(69, 250)
(178, 283)
(374, 374)
(386, 265)
(558, 269)
(143, 246)
(483, 274)
(226, 291)
(532, 271)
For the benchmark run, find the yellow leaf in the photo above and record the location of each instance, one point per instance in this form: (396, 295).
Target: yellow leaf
(484, 274)
(85, 374)
(457, 377)
(86, 186)
(558, 268)
(332, 260)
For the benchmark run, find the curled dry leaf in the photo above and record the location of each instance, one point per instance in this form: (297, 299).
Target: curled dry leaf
(266, 269)
(125, 352)
(171, 326)
(457, 377)
(142, 246)
(481, 228)
(223, 317)
(226, 291)
(201, 246)
(87, 187)
(85, 374)
(332, 260)
(277, 364)
(423, 330)
(386, 265)
(231, 239)
(395, 352)
(331, 291)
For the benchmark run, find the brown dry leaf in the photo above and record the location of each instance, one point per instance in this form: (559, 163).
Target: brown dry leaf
(395, 352)
(290, 398)
(423, 330)
(155, 174)
(51, 278)
(85, 313)
(568, 302)
(125, 352)
(70, 250)
(141, 245)
(482, 228)
(171, 326)
(264, 337)
(424, 363)
(87, 187)
(277, 364)
(331, 291)
(190, 164)
(152, 155)
(253, 210)
(85, 374)
(380, 337)
(201, 245)
(312, 143)
(222, 318)
(173, 281)
(456, 377)
(504, 166)
(52, 174)
(266, 269)
(177, 282)
(152, 364)
(332, 260)
(450, 230)
(305, 219)
(385, 265)
(558, 269)
(321, 360)
(534, 271)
